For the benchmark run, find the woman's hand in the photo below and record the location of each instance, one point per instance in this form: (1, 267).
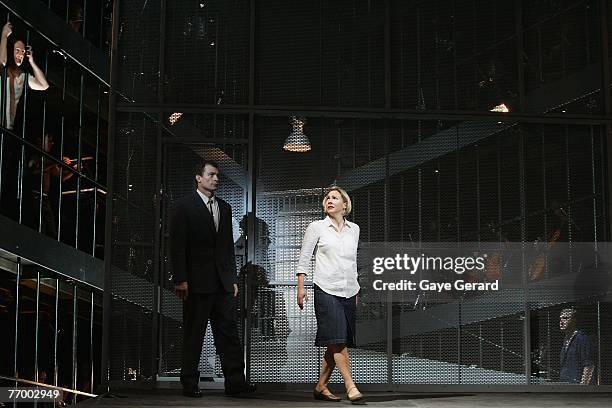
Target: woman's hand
(30, 54)
(7, 29)
(302, 297)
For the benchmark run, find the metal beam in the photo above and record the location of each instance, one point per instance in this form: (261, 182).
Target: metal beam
(413, 156)
(26, 243)
(366, 113)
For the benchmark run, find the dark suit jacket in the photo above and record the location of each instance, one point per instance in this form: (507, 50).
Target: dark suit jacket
(201, 256)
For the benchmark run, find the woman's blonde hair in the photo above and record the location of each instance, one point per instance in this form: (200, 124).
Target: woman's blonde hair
(345, 198)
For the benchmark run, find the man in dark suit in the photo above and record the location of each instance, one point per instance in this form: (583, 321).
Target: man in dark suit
(204, 268)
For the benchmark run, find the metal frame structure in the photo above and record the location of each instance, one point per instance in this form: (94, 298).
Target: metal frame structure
(46, 269)
(254, 110)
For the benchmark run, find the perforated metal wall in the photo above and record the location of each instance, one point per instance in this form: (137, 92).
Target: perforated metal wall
(397, 98)
(433, 181)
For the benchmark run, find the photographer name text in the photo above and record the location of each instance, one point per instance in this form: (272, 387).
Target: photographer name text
(426, 285)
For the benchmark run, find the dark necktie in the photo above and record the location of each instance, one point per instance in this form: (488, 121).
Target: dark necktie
(212, 212)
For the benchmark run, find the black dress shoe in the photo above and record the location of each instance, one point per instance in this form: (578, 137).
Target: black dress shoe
(318, 395)
(192, 392)
(242, 391)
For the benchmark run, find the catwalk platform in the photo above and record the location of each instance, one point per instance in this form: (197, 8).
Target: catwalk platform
(215, 398)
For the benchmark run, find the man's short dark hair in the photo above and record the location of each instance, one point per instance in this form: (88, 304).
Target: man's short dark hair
(199, 168)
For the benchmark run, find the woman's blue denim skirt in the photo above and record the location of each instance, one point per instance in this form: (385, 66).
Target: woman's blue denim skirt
(336, 319)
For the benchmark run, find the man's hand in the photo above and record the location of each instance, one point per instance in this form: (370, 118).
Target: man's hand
(181, 290)
(235, 289)
(7, 29)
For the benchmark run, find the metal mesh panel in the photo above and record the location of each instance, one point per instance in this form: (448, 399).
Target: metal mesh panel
(132, 282)
(279, 327)
(282, 337)
(138, 54)
(563, 43)
(458, 55)
(410, 181)
(442, 182)
(207, 61)
(604, 365)
(333, 57)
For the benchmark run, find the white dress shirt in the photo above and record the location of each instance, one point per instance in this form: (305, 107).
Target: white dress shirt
(215, 208)
(335, 258)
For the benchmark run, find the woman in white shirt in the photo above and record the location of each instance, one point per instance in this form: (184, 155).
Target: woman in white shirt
(335, 289)
(16, 72)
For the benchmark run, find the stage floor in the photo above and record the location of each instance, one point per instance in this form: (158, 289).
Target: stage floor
(215, 398)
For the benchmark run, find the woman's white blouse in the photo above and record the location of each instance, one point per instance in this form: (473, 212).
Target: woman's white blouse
(335, 258)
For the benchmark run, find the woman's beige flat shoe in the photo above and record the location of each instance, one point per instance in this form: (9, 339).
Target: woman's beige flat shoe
(355, 399)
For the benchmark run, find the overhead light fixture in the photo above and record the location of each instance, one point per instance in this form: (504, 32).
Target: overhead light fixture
(297, 141)
(501, 108)
(174, 117)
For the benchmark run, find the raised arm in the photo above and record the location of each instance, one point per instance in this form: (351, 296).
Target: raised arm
(6, 31)
(38, 81)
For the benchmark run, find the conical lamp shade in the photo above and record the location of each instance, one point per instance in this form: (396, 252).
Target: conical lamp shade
(297, 141)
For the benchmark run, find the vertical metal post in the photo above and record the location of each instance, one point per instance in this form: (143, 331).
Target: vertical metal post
(598, 367)
(22, 162)
(391, 315)
(387, 34)
(386, 220)
(2, 114)
(55, 333)
(41, 186)
(36, 331)
(17, 296)
(480, 338)
(525, 277)
(77, 221)
(251, 191)
(518, 21)
(74, 337)
(91, 344)
(518, 17)
(458, 232)
(42, 158)
(108, 226)
(502, 346)
(96, 169)
(61, 173)
(101, 42)
(3, 100)
(392, 312)
(157, 258)
(84, 24)
(606, 98)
